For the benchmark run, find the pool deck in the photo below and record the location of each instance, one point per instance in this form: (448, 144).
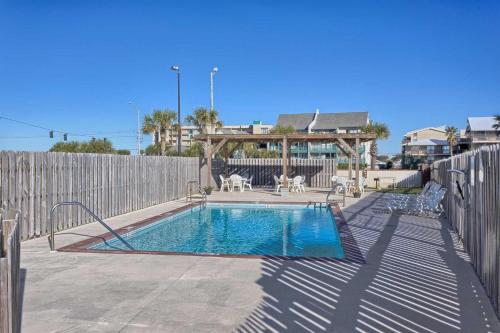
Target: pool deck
(402, 274)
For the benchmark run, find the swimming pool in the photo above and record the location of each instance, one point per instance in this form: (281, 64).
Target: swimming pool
(238, 229)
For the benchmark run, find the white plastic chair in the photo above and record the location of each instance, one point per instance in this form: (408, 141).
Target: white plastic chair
(224, 182)
(248, 183)
(277, 183)
(302, 187)
(236, 181)
(340, 184)
(295, 184)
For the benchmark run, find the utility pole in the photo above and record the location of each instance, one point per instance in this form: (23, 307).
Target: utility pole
(179, 130)
(139, 136)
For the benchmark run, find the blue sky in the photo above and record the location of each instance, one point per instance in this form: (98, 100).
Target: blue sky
(74, 66)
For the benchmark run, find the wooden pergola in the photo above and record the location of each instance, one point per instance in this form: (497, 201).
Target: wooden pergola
(213, 143)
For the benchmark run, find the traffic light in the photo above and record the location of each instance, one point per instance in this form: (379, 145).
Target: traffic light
(51, 134)
(65, 137)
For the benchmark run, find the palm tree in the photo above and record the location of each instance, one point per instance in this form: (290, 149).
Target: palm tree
(160, 123)
(381, 132)
(206, 121)
(497, 125)
(451, 137)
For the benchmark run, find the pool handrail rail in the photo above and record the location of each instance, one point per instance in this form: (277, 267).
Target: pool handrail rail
(77, 203)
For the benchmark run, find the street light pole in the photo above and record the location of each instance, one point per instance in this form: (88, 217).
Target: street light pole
(139, 138)
(212, 74)
(179, 130)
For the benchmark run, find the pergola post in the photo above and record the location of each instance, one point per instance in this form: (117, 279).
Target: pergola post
(349, 168)
(356, 183)
(284, 150)
(226, 161)
(208, 153)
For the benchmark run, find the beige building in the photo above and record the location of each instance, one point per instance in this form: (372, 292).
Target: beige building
(424, 145)
(189, 131)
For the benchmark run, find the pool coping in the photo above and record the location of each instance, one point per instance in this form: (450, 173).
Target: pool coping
(83, 245)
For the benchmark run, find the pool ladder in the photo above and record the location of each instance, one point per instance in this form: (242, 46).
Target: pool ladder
(77, 203)
(189, 192)
(332, 192)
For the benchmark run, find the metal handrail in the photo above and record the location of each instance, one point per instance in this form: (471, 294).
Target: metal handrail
(189, 196)
(76, 203)
(332, 192)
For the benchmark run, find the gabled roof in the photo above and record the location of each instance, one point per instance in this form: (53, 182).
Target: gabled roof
(481, 123)
(327, 121)
(299, 121)
(324, 121)
(441, 128)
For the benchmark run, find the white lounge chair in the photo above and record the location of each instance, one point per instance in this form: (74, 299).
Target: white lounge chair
(248, 183)
(236, 182)
(224, 182)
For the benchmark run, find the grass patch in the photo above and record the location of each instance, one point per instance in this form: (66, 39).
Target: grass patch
(411, 190)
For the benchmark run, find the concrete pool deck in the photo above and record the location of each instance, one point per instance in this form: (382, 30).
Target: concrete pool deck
(402, 274)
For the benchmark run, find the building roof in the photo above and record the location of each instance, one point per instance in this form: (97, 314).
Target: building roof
(481, 123)
(299, 121)
(327, 121)
(441, 128)
(324, 121)
(427, 142)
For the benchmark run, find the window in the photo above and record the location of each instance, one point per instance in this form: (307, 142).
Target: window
(265, 130)
(446, 149)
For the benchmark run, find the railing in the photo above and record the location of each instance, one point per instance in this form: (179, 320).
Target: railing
(10, 280)
(333, 192)
(76, 203)
(189, 192)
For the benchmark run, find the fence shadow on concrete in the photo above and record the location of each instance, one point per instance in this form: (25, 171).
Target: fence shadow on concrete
(401, 274)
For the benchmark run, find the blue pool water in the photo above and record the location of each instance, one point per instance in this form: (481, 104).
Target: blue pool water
(291, 230)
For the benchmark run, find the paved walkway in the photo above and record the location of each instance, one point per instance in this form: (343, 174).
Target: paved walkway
(403, 274)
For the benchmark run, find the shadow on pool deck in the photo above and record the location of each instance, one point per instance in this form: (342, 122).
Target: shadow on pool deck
(402, 274)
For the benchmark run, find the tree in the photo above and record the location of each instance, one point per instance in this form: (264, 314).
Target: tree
(154, 149)
(383, 158)
(196, 150)
(123, 152)
(280, 129)
(381, 132)
(497, 125)
(206, 121)
(95, 146)
(66, 147)
(160, 122)
(451, 137)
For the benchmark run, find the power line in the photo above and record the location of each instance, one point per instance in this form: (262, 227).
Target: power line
(65, 133)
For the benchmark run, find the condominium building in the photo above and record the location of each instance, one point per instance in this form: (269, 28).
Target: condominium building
(316, 122)
(480, 132)
(424, 145)
(189, 131)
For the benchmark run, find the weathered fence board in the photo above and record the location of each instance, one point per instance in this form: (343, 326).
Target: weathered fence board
(472, 205)
(32, 182)
(10, 288)
(318, 173)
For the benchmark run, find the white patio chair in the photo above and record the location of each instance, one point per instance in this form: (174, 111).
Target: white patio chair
(236, 182)
(248, 183)
(302, 183)
(224, 182)
(277, 183)
(295, 184)
(340, 184)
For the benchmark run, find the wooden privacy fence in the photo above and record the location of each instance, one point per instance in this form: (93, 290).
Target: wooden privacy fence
(10, 288)
(108, 185)
(472, 205)
(318, 173)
